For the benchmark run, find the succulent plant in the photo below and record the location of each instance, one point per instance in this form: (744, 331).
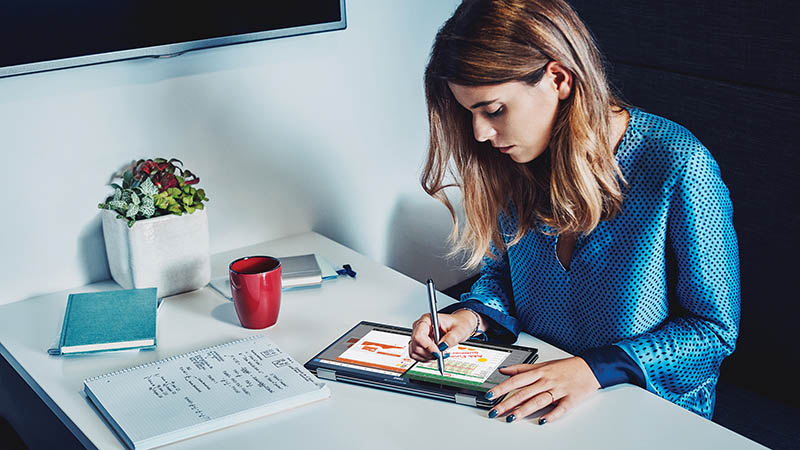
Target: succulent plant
(155, 187)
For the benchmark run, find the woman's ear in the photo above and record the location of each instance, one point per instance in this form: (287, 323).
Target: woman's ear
(561, 79)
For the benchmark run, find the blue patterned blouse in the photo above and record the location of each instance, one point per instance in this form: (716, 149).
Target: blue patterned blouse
(658, 284)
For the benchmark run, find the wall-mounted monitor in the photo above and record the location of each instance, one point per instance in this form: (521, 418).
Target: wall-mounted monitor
(41, 35)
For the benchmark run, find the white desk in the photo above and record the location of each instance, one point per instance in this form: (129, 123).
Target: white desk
(354, 417)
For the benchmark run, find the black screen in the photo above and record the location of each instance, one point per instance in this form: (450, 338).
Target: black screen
(35, 31)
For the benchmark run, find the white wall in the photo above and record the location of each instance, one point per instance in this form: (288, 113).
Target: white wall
(324, 132)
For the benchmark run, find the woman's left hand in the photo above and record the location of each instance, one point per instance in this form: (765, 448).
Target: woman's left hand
(563, 382)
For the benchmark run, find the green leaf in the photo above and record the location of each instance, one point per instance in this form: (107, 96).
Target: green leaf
(126, 179)
(132, 210)
(200, 206)
(118, 204)
(189, 209)
(116, 186)
(148, 207)
(135, 198)
(187, 200)
(148, 188)
(131, 222)
(201, 194)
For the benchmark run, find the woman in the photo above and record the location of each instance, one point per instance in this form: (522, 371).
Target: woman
(602, 229)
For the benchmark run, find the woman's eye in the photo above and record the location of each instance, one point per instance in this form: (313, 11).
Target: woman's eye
(496, 112)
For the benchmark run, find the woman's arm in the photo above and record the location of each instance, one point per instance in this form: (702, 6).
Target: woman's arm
(681, 358)
(491, 297)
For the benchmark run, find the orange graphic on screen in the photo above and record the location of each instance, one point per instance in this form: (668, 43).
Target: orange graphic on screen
(380, 350)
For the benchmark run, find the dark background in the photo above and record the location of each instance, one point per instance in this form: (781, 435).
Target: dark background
(728, 71)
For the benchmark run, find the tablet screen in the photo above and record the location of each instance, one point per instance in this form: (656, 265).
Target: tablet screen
(383, 350)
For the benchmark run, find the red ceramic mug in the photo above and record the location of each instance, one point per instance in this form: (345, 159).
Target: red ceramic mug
(256, 289)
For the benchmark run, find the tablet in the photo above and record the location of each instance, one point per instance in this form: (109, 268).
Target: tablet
(376, 355)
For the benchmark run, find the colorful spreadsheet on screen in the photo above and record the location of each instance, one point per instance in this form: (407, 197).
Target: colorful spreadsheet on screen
(465, 365)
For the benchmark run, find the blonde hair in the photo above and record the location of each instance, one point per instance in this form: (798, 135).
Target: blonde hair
(573, 185)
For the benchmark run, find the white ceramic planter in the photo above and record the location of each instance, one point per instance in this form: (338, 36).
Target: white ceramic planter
(170, 253)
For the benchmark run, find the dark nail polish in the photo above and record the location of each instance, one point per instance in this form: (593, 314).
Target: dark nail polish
(443, 346)
(502, 367)
(493, 414)
(542, 421)
(446, 355)
(488, 395)
(510, 418)
(435, 355)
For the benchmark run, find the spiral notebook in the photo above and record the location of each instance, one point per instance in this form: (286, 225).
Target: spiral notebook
(202, 391)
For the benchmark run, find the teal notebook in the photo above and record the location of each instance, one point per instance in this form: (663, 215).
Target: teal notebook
(110, 320)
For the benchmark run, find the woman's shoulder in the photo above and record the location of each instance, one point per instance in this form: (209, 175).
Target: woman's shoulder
(661, 141)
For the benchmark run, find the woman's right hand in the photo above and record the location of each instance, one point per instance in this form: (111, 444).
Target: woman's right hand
(453, 329)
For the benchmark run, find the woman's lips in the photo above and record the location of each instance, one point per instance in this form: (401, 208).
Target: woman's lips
(505, 149)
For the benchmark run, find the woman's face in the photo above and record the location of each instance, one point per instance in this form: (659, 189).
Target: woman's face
(515, 117)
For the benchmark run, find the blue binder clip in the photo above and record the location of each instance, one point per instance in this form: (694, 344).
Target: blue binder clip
(346, 270)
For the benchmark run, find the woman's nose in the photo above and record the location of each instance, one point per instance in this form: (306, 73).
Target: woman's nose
(483, 129)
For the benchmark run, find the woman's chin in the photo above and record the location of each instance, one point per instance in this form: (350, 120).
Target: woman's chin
(520, 159)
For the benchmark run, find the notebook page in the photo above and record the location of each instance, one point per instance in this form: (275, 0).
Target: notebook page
(191, 392)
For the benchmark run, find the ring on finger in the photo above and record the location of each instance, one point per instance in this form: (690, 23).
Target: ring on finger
(552, 397)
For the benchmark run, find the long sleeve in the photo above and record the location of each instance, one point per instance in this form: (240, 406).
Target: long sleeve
(681, 358)
(491, 296)
(611, 365)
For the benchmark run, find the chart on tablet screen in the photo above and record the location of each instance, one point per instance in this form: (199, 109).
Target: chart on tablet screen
(466, 365)
(380, 349)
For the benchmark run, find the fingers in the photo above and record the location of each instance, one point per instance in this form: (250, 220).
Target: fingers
(561, 383)
(564, 405)
(527, 400)
(523, 376)
(530, 404)
(421, 347)
(518, 368)
(455, 330)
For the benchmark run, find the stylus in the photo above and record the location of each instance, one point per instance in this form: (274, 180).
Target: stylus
(435, 318)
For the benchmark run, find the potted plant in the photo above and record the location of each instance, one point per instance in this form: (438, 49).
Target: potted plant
(156, 229)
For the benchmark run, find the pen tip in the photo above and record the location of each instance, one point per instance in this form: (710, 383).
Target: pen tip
(430, 280)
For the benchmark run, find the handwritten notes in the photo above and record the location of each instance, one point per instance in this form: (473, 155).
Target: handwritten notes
(201, 387)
